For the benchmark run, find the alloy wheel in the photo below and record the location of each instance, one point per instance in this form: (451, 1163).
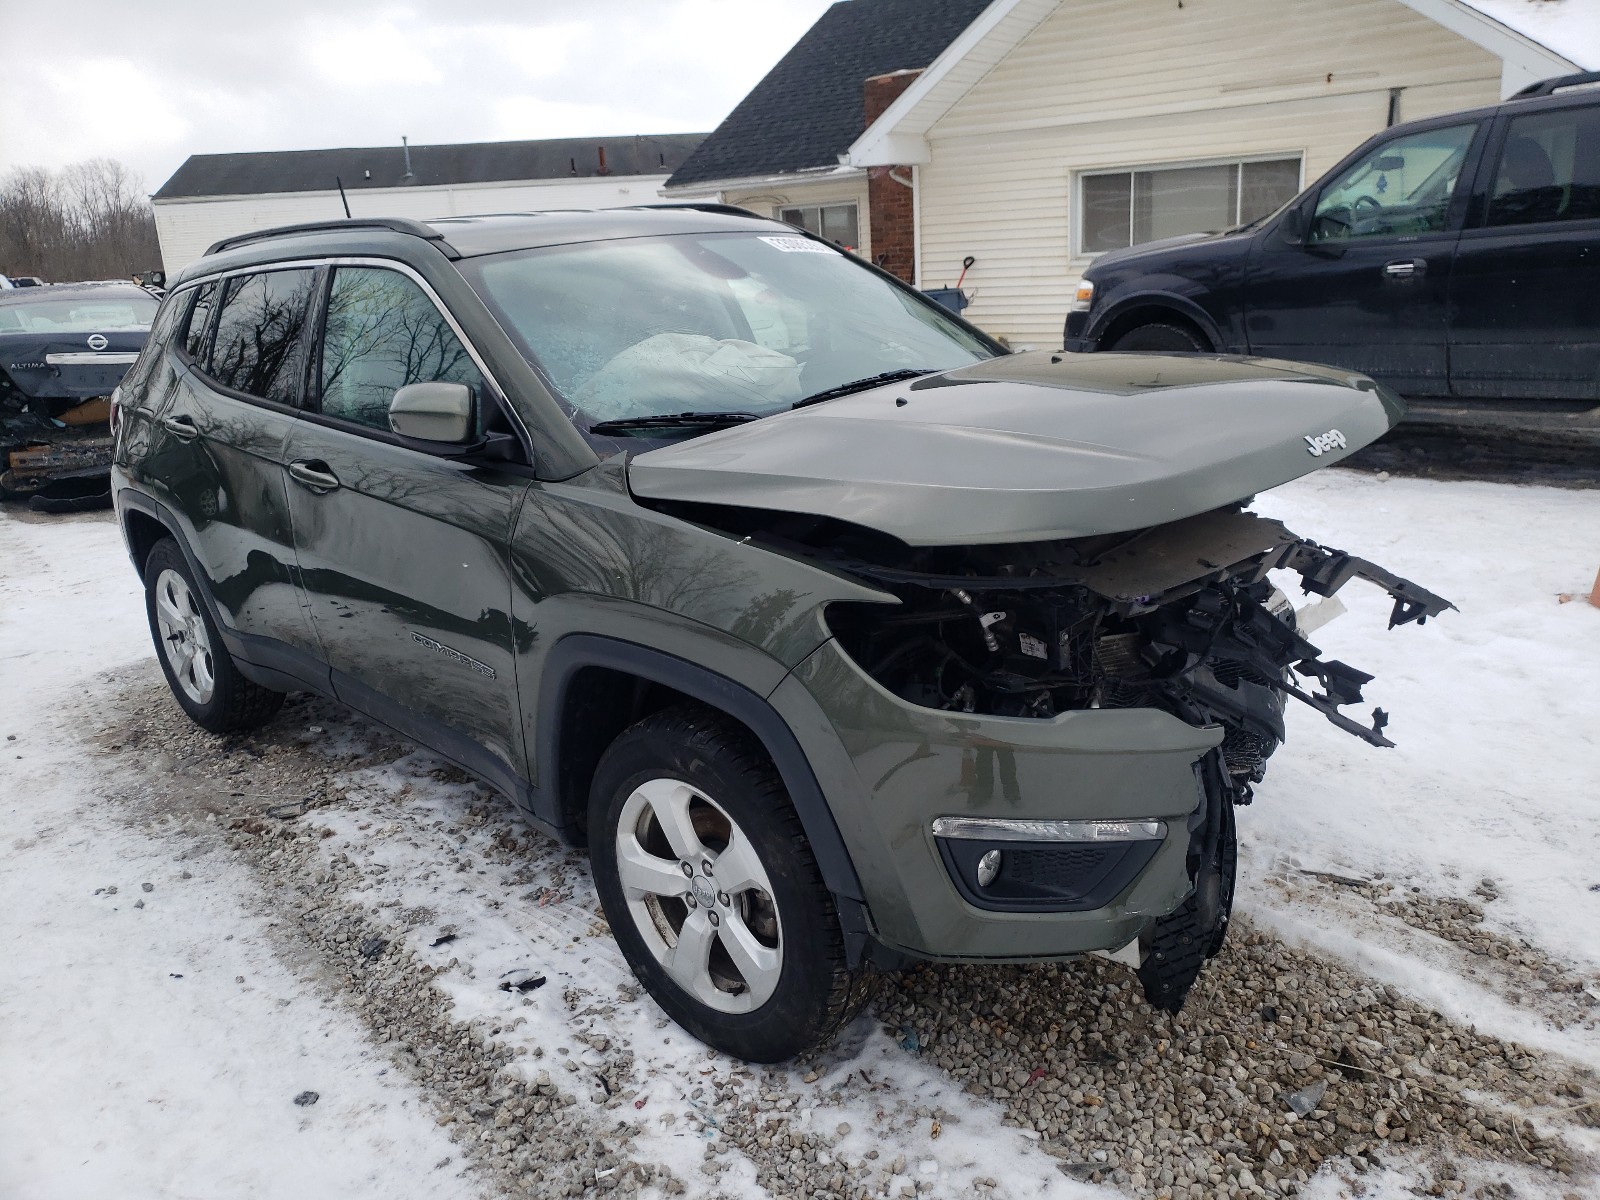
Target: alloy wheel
(699, 896)
(184, 640)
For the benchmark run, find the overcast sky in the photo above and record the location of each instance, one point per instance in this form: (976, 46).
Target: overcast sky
(151, 82)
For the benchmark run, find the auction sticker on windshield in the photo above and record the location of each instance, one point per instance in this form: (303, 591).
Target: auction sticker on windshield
(798, 245)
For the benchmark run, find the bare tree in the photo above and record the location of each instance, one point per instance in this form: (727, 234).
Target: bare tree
(90, 220)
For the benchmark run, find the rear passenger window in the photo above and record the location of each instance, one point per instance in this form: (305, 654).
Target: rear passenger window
(194, 340)
(383, 332)
(259, 346)
(1549, 169)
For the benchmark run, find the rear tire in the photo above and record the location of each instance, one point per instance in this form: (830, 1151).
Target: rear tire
(1161, 337)
(203, 677)
(712, 890)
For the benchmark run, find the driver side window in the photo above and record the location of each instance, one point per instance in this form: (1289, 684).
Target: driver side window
(381, 333)
(1402, 188)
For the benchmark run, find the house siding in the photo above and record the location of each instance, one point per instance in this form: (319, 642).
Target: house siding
(1119, 83)
(186, 227)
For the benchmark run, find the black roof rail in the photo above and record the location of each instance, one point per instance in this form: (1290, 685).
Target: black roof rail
(1548, 87)
(729, 210)
(393, 224)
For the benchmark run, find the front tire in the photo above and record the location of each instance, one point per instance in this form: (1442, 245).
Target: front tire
(203, 677)
(1161, 337)
(712, 891)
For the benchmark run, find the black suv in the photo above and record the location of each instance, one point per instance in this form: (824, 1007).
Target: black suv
(1456, 256)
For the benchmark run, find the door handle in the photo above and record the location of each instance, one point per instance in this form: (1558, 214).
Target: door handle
(182, 428)
(314, 474)
(1405, 268)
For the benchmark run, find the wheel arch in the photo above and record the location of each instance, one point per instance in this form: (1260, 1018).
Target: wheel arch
(593, 687)
(145, 521)
(142, 531)
(1153, 309)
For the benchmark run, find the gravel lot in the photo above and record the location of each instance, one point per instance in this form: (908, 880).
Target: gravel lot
(473, 951)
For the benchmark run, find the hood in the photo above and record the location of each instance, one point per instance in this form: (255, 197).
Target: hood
(1161, 245)
(1034, 446)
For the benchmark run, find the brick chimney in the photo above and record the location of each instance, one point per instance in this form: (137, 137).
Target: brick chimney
(891, 216)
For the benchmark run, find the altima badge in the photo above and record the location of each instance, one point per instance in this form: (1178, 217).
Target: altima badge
(1324, 442)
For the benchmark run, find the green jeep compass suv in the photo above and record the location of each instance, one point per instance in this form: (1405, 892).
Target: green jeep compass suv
(840, 637)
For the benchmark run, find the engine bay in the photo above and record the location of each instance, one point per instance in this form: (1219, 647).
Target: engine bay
(1181, 617)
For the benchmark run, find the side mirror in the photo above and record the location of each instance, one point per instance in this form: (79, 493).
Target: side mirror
(432, 412)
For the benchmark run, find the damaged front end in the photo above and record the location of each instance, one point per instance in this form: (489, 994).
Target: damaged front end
(1065, 534)
(1180, 617)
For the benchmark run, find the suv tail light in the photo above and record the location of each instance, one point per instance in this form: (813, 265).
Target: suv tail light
(116, 410)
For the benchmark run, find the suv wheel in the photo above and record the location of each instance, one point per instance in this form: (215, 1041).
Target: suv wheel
(202, 675)
(712, 890)
(1161, 338)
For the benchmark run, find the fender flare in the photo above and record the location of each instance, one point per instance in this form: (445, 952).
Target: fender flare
(576, 651)
(1178, 305)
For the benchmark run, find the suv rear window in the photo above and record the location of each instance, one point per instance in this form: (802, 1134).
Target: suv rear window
(259, 347)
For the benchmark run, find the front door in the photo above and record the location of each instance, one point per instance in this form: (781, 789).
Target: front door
(404, 552)
(1525, 296)
(1366, 284)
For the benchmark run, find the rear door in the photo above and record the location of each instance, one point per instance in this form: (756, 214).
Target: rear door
(1366, 285)
(217, 459)
(404, 550)
(1525, 295)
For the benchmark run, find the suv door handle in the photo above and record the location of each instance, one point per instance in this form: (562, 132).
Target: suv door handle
(314, 474)
(182, 428)
(1405, 268)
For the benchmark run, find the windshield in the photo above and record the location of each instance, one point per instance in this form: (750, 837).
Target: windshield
(708, 323)
(84, 314)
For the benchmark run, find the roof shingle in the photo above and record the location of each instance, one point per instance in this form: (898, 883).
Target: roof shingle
(249, 174)
(809, 108)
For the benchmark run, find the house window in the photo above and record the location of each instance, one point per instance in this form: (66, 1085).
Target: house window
(836, 222)
(1124, 208)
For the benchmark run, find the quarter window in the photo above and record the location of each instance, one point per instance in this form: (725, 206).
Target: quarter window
(194, 340)
(1125, 208)
(382, 333)
(1549, 169)
(836, 222)
(259, 346)
(1400, 189)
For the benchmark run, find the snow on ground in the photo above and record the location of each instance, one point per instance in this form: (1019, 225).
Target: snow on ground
(116, 1077)
(132, 1062)
(1496, 716)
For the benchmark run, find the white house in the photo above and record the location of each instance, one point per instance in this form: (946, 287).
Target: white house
(1049, 130)
(213, 196)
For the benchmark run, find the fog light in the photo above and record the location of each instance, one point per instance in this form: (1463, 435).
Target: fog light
(988, 868)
